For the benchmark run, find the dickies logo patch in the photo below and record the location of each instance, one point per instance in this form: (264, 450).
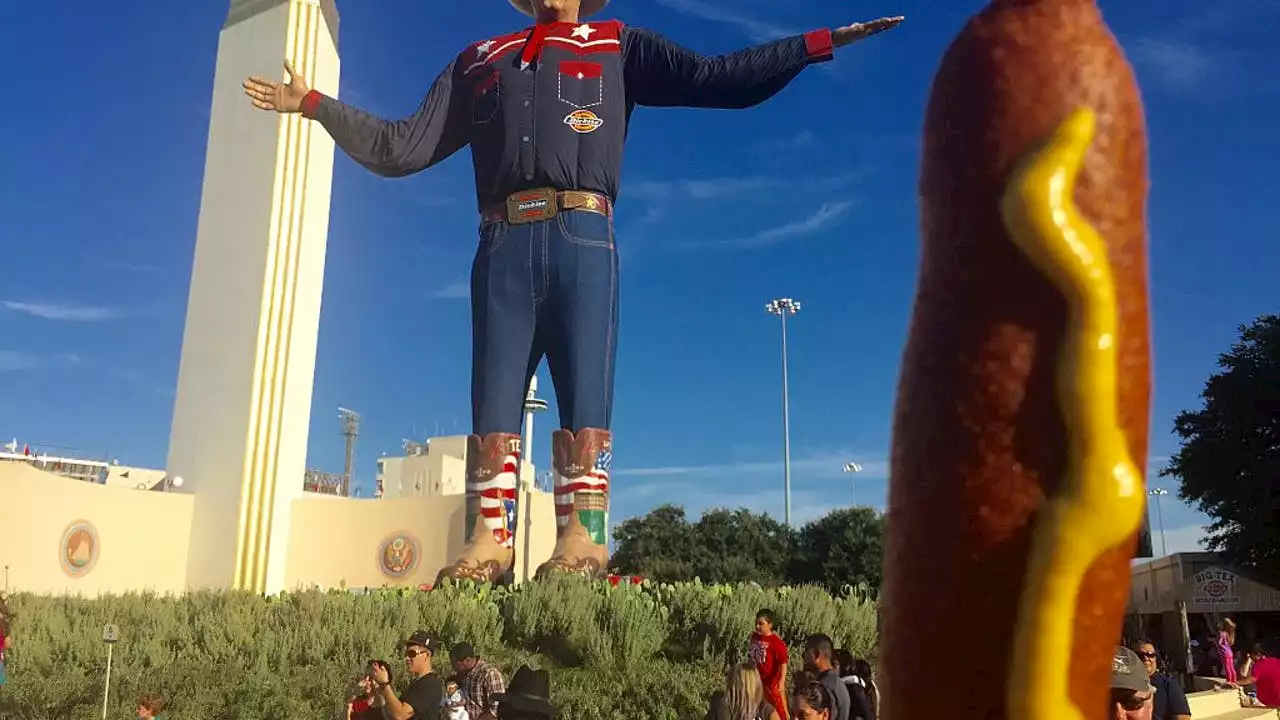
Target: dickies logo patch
(583, 121)
(526, 207)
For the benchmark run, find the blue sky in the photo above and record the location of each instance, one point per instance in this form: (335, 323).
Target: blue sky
(810, 196)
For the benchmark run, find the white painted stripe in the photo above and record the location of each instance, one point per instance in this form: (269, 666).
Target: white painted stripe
(498, 51)
(584, 45)
(494, 53)
(590, 482)
(501, 481)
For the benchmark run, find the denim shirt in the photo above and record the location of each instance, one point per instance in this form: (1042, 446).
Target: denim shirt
(549, 106)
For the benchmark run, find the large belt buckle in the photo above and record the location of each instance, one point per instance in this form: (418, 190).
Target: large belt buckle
(528, 206)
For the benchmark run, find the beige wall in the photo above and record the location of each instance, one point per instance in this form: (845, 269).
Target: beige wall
(440, 470)
(339, 541)
(143, 537)
(133, 478)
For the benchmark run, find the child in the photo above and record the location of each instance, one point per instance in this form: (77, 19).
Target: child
(453, 701)
(1226, 651)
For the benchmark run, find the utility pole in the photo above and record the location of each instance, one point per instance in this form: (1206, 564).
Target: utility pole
(853, 468)
(350, 430)
(1158, 493)
(782, 307)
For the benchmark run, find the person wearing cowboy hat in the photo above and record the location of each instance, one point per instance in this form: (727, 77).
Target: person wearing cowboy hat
(545, 112)
(528, 697)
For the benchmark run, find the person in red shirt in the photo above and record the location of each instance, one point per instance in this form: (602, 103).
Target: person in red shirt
(1264, 676)
(366, 705)
(769, 653)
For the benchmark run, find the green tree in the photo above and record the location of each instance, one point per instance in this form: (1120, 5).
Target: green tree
(844, 547)
(660, 546)
(1229, 463)
(741, 546)
(722, 546)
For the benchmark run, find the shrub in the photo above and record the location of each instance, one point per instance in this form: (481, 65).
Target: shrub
(625, 651)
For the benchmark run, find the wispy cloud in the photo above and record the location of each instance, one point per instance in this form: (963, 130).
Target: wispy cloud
(757, 29)
(139, 268)
(704, 189)
(146, 381)
(722, 188)
(16, 361)
(799, 141)
(1225, 15)
(460, 290)
(820, 465)
(754, 27)
(1177, 64)
(807, 503)
(62, 311)
(820, 219)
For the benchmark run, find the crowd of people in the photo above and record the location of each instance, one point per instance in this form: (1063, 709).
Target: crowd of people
(1143, 689)
(831, 684)
(1255, 673)
(476, 690)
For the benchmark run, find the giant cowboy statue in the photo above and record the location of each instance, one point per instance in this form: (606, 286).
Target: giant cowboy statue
(545, 111)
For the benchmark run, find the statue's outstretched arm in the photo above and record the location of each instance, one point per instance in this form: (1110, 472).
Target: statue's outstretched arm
(395, 148)
(661, 73)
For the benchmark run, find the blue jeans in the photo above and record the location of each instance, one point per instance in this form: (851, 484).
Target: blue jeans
(548, 288)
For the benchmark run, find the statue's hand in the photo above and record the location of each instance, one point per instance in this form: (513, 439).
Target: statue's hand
(274, 95)
(858, 31)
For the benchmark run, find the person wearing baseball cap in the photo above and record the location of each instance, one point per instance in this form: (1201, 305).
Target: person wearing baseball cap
(1131, 692)
(480, 681)
(421, 700)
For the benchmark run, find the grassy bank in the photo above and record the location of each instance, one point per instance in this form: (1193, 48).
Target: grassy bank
(644, 651)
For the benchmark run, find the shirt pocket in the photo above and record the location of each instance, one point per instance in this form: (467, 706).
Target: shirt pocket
(486, 96)
(580, 84)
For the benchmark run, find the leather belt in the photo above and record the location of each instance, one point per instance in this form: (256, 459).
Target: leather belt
(528, 206)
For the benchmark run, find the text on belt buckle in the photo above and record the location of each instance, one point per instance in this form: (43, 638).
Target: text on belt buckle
(529, 206)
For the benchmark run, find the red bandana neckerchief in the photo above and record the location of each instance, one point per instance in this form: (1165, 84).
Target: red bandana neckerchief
(533, 46)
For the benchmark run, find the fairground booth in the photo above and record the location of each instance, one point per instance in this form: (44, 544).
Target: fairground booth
(1177, 602)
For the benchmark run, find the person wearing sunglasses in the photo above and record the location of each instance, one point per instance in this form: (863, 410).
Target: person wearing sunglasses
(1170, 701)
(421, 700)
(1132, 696)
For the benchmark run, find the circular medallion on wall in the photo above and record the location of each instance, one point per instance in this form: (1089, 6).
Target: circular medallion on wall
(398, 555)
(78, 551)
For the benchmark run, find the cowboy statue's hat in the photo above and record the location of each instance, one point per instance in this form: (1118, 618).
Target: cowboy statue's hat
(589, 7)
(529, 690)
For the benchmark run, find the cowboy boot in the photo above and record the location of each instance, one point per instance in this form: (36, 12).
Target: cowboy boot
(493, 464)
(582, 502)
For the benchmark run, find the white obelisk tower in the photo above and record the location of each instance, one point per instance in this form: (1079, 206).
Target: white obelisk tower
(241, 417)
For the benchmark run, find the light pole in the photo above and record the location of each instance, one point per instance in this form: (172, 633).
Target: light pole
(350, 430)
(853, 468)
(1158, 493)
(782, 307)
(532, 404)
